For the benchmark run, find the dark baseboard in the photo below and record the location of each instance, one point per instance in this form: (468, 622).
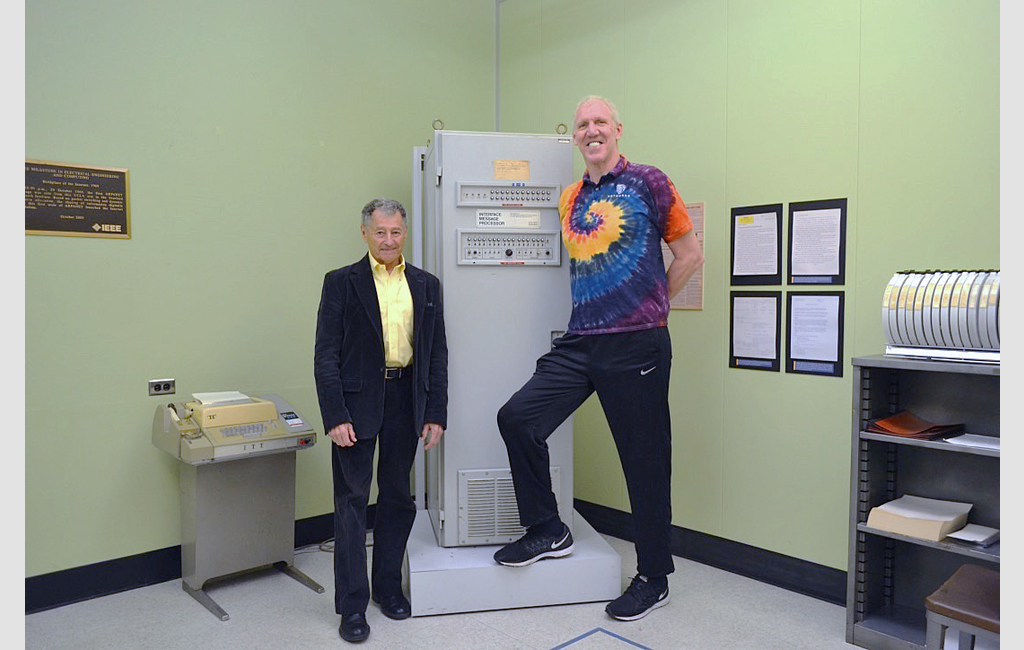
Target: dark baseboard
(321, 528)
(104, 578)
(801, 576)
(101, 579)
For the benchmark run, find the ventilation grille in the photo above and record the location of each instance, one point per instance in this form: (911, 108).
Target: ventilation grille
(488, 513)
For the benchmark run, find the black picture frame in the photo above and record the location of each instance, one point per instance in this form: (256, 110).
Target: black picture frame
(774, 278)
(748, 362)
(827, 367)
(818, 279)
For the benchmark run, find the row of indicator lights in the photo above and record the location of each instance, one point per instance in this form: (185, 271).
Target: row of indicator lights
(503, 241)
(529, 194)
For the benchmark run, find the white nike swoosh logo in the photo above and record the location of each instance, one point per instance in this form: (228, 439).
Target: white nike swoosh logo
(555, 545)
(648, 371)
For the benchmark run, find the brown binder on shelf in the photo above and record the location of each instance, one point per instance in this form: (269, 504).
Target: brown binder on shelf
(907, 425)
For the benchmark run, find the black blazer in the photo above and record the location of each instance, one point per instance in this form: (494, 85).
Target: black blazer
(348, 360)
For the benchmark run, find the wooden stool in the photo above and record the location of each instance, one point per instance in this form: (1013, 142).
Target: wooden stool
(969, 603)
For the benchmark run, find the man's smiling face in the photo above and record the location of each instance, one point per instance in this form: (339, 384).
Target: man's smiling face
(596, 133)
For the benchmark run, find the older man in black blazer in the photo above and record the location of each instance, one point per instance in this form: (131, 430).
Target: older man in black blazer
(381, 367)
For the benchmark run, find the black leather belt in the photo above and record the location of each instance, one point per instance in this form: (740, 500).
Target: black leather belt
(394, 373)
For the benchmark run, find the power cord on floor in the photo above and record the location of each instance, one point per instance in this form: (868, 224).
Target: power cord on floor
(327, 546)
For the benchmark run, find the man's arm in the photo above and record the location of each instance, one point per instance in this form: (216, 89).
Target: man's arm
(436, 412)
(326, 361)
(687, 258)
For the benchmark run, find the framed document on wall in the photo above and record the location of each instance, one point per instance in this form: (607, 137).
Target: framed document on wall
(817, 242)
(76, 200)
(756, 252)
(814, 332)
(754, 323)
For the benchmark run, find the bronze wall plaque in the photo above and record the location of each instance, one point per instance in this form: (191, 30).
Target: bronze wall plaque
(76, 200)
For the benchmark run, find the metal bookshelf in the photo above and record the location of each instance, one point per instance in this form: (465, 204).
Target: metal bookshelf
(889, 574)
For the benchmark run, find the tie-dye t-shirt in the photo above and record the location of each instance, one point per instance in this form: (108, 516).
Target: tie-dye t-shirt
(613, 231)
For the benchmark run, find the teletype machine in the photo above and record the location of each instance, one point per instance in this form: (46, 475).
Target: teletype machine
(237, 482)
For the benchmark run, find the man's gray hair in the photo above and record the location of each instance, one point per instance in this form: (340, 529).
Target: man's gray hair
(598, 98)
(386, 206)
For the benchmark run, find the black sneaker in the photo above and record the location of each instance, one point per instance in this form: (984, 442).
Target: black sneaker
(638, 600)
(535, 546)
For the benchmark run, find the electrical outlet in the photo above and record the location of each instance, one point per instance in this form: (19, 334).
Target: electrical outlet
(161, 386)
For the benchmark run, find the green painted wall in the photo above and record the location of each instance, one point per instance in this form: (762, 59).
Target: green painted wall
(253, 133)
(893, 105)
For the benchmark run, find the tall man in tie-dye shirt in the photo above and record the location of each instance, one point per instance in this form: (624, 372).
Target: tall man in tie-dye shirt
(617, 343)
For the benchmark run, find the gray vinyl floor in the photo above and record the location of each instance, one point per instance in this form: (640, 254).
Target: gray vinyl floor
(709, 609)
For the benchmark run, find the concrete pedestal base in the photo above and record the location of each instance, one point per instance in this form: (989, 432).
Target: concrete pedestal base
(467, 579)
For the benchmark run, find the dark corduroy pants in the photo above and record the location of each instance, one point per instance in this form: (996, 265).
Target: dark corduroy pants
(353, 470)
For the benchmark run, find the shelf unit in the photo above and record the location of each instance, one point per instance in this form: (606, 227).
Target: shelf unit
(890, 575)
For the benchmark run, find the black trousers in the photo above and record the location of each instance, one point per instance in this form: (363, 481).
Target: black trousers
(630, 373)
(353, 470)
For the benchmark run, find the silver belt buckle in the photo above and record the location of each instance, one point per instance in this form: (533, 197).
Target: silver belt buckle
(392, 373)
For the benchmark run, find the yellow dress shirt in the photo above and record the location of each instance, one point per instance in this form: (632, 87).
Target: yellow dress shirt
(395, 301)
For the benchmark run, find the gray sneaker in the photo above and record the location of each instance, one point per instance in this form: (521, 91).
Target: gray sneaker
(534, 546)
(638, 600)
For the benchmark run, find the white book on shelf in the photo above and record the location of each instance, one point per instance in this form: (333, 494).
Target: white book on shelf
(914, 516)
(975, 534)
(975, 440)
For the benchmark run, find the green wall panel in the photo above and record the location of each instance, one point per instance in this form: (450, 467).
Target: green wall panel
(893, 106)
(253, 133)
(792, 135)
(929, 143)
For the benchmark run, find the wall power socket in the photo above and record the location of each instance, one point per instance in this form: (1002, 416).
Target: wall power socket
(161, 386)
